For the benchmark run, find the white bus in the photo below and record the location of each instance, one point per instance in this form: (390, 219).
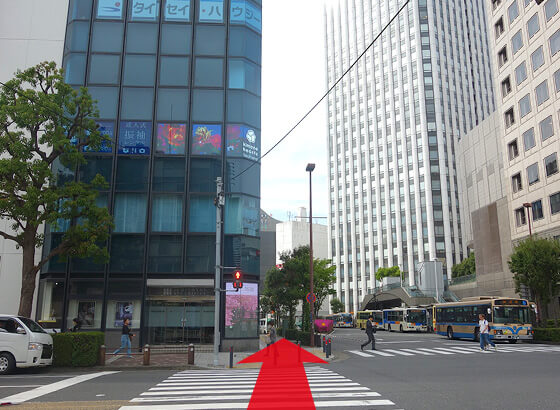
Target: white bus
(405, 319)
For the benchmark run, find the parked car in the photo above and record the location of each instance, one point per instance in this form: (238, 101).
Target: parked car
(23, 343)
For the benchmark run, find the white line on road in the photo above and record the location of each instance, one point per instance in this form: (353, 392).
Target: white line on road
(433, 351)
(212, 387)
(294, 405)
(242, 379)
(250, 382)
(20, 386)
(397, 352)
(359, 353)
(403, 341)
(241, 390)
(380, 353)
(419, 352)
(455, 350)
(50, 388)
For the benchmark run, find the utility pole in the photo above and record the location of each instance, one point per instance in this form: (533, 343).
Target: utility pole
(310, 168)
(219, 201)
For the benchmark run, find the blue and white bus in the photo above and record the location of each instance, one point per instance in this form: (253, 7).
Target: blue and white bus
(405, 319)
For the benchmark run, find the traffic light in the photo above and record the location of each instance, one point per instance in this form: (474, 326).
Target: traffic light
(237, 279)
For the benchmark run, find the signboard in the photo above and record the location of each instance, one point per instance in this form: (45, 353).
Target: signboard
(135, 137)
(171, 139)
(211, 11)
(242, 141)
(244, 12)
(311, 298)
(146, 10)
(123, 310)
(106, 128)
(110, 9)
(206, 139)
(177, 10)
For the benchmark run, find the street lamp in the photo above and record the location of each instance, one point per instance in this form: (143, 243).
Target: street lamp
(310, 167)
(528, 205)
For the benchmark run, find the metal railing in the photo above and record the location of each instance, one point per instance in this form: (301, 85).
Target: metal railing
(463, 279)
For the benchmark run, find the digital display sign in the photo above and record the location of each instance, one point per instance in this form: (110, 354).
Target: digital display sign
(511, 302)
(135, 137)
(242, 141)
(241, 311)
(207, 139)
(171, 139)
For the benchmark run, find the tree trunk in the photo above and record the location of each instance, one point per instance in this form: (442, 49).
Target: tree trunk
(28, 276)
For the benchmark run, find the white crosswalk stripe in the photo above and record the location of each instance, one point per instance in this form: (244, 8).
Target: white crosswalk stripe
(233, 389)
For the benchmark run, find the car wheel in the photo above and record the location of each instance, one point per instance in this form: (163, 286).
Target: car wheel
(449, 333)
(7, 363)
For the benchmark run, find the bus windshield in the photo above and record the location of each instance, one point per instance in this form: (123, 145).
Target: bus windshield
(345, 317)
(511, 314)
(416, 316)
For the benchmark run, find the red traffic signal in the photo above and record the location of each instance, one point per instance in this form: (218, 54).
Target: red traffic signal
(237, 279)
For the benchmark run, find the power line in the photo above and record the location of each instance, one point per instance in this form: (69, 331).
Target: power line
(327, 93)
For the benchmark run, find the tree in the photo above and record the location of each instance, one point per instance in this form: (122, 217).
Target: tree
(44, 124)
(337, 306)
(393, 271)
(535, 263)
(466, 267)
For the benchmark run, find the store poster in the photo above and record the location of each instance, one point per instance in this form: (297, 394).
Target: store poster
(123, 310)
(86, 313)
(242, 141)
(177, 10)
(206, 139)
(146, 10)
(211, 11)
(135, 137)
(171, 139)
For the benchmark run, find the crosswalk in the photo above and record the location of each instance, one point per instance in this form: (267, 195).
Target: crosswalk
(453, 349)
(232, 389)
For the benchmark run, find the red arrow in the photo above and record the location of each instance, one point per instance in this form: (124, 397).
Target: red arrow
(282, 382)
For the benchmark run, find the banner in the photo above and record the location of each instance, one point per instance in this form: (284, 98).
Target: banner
(135, 137)
(177, 10)
(242, 141)
(110, 9)
(211, 11)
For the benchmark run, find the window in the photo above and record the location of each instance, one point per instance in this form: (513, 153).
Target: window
(107, 37)
(551, 164)
(165, 254)
(516, 42)
(555, 203)
(516, 184)
(502, 57)
(520, 217)
(104, 69)
(244, 75)
(533, 173)
(550, 9)
(202, 214)
(208, 105)
(137, 103)
(506, 86)
(169, 175)
(174, 71)
(520, 73)
(556, 76)
(139, 70)
(132, 174)
(554, 43)
(204, 172)
(209, 72)
(499, 27)
(542, 92)
(127, 253)
(107, 98)
(513, 150)
(130, 212)
(513, 11)
(167, 212)
(172, 104)
(537, 210)
(510, 119)
(547, 128)
(75, 69)
(210, 40)
(529, 139)
(201, 254)
(176, 39)
(524, 106)
(537, 58)
(533, 25)
(141, 38)
(495, 4)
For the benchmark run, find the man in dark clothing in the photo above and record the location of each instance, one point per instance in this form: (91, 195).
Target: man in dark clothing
(370, 330)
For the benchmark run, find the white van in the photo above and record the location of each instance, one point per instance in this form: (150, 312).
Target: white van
(23, 343)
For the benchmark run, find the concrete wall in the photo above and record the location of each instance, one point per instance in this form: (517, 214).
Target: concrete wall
(31, 31)
(290, 235)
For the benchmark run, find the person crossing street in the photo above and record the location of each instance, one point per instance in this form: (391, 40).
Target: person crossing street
(370, 330)
(484, 330)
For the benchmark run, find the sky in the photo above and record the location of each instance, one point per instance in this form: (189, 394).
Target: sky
(293, 80)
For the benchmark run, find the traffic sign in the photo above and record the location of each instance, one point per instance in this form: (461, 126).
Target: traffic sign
(311, 298)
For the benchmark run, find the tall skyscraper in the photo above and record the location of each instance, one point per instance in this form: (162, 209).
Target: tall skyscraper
(392, 126)
(178, 89)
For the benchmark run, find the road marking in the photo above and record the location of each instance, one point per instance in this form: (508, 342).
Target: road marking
(359, 353)
(398, 352)
(380, 353)
(234, 391)
(403, 341)
(433, 351)
(20, 386)
(50, 388)
(222, 383)
(456, 350)
(419, 352)
(244, 405)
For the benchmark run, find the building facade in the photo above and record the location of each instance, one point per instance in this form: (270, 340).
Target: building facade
(393, 123)
(178, 90)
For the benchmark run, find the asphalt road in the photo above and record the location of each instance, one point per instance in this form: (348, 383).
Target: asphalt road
(407, 371)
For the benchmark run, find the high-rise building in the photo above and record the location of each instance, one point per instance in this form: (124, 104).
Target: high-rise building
(178, 89)
(392, 126)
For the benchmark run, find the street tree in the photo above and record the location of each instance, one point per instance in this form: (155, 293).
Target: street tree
(45, 124)
(535, 263)
(393, 271)
(337, 306)
(465, 268)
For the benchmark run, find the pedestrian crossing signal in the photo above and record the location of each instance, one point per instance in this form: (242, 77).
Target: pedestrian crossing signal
(237, 279)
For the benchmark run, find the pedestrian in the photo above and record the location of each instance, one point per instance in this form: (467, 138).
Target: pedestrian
(77, 325)
(484, 332)
(271, 334)
(125, 338)
(370, 330)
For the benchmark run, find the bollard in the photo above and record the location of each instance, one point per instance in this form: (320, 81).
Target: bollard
(299, 352)
(146, 355)
(190, 354)
(102, 351)
(323, 344)
(231, 357)
(328, 348)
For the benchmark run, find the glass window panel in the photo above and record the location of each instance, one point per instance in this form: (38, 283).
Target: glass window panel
(177, 10)
(75, 69)
(143, 10)
(513, 11)
(244, 12)
(208, 105)
(529, 138)
(551, 164)
(132, 174)
(542, 92)
(244, 43)
(172, 104)
(244, 75)
(547, 128)
(211, 11)
(244, 252)
(127, 253)
(104, 69)
(107, 37)
(176, 39)
(243, 141)
(124, 302)
(554, 43)
(79, 9)
(550, 9)
(165, 254)
(139, 70)
(204, 172)
(557, 80)
(202, 214)
(517, 41)
(107, 99)
(537, 58)
(244, 107)
(524, 105)
(555, 203)
(209, 72)
(520, 73)
(174, 71)
(56, 264)
(201, 254)
(135, 137)
(130, 212)
(242, 215)
(533, 173)
(110, 9)
(210, 40)
(533, 25)
(167, 212)
(85, 303)
(141, 38)
(169, 175)
(247, 183)
(107, 130)
(206, 139)
(77, 36)
(96, 165)
(171, 139)
(137, 103)
(537, 210)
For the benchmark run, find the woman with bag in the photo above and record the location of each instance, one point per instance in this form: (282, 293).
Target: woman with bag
(125, 338)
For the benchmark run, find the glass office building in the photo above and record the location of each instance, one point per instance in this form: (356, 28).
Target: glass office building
(178, 89)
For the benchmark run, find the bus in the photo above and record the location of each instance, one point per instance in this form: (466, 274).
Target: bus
(509, 318)
(342, 319)
(362, 317)
(405, 319)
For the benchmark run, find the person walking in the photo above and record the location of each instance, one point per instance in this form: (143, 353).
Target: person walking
(271, 334)
(125, 338)
(77, 325)
(484, 332)
(370, 330)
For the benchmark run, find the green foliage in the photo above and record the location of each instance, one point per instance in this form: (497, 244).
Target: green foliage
(44, 126)
(79, 349)
(295, 336)
(465, 268)
(550, 323)
(337, 306)
(535, 263)
(549, 334)
(393, 271)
